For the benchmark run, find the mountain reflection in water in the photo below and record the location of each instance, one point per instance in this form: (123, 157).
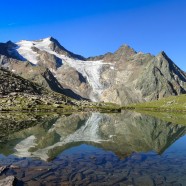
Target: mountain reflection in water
(95, 139)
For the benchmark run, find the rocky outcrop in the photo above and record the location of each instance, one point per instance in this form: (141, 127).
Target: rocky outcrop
(11, 83)
(162, 78)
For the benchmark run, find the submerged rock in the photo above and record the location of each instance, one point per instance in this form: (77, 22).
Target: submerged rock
(2, 169)
(8, 181)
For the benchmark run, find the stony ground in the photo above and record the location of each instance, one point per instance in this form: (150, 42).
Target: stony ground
(97, 169)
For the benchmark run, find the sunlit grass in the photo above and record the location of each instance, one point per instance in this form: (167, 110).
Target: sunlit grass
(172, 103)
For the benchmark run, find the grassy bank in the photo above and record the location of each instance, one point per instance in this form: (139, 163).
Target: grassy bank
(170, 104)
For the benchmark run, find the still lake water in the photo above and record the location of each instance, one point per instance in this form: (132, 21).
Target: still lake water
(92, 149)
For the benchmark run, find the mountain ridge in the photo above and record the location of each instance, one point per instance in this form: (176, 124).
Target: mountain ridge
(122, 77)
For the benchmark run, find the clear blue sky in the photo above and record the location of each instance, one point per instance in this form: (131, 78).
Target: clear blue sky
(93, 27)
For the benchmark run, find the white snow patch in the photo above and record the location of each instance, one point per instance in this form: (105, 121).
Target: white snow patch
(25, 50)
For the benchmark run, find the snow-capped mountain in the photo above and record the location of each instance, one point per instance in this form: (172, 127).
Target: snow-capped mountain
(37, 52)
(122, 77)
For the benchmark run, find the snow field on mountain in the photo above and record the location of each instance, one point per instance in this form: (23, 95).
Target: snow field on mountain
(25, 50)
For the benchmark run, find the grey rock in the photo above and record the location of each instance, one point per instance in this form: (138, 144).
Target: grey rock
(8, 181)
(144, 180)
(11, 83)
(2, 169)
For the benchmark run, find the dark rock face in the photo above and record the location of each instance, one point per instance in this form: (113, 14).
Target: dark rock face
(10, 83)
(5, 47)
(57, 87)
(56, 46)
(122, 77)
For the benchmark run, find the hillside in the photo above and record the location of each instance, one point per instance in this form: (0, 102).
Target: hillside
(19, 94)
(172, 103)
(12, 83)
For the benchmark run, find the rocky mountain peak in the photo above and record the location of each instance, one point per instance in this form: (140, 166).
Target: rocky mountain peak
(57, 47)
(162, 54)
(10, 44)
(126, 50)
(164, 60)
(52, 39)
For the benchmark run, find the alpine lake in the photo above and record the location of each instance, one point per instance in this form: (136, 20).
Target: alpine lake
(119, 149)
